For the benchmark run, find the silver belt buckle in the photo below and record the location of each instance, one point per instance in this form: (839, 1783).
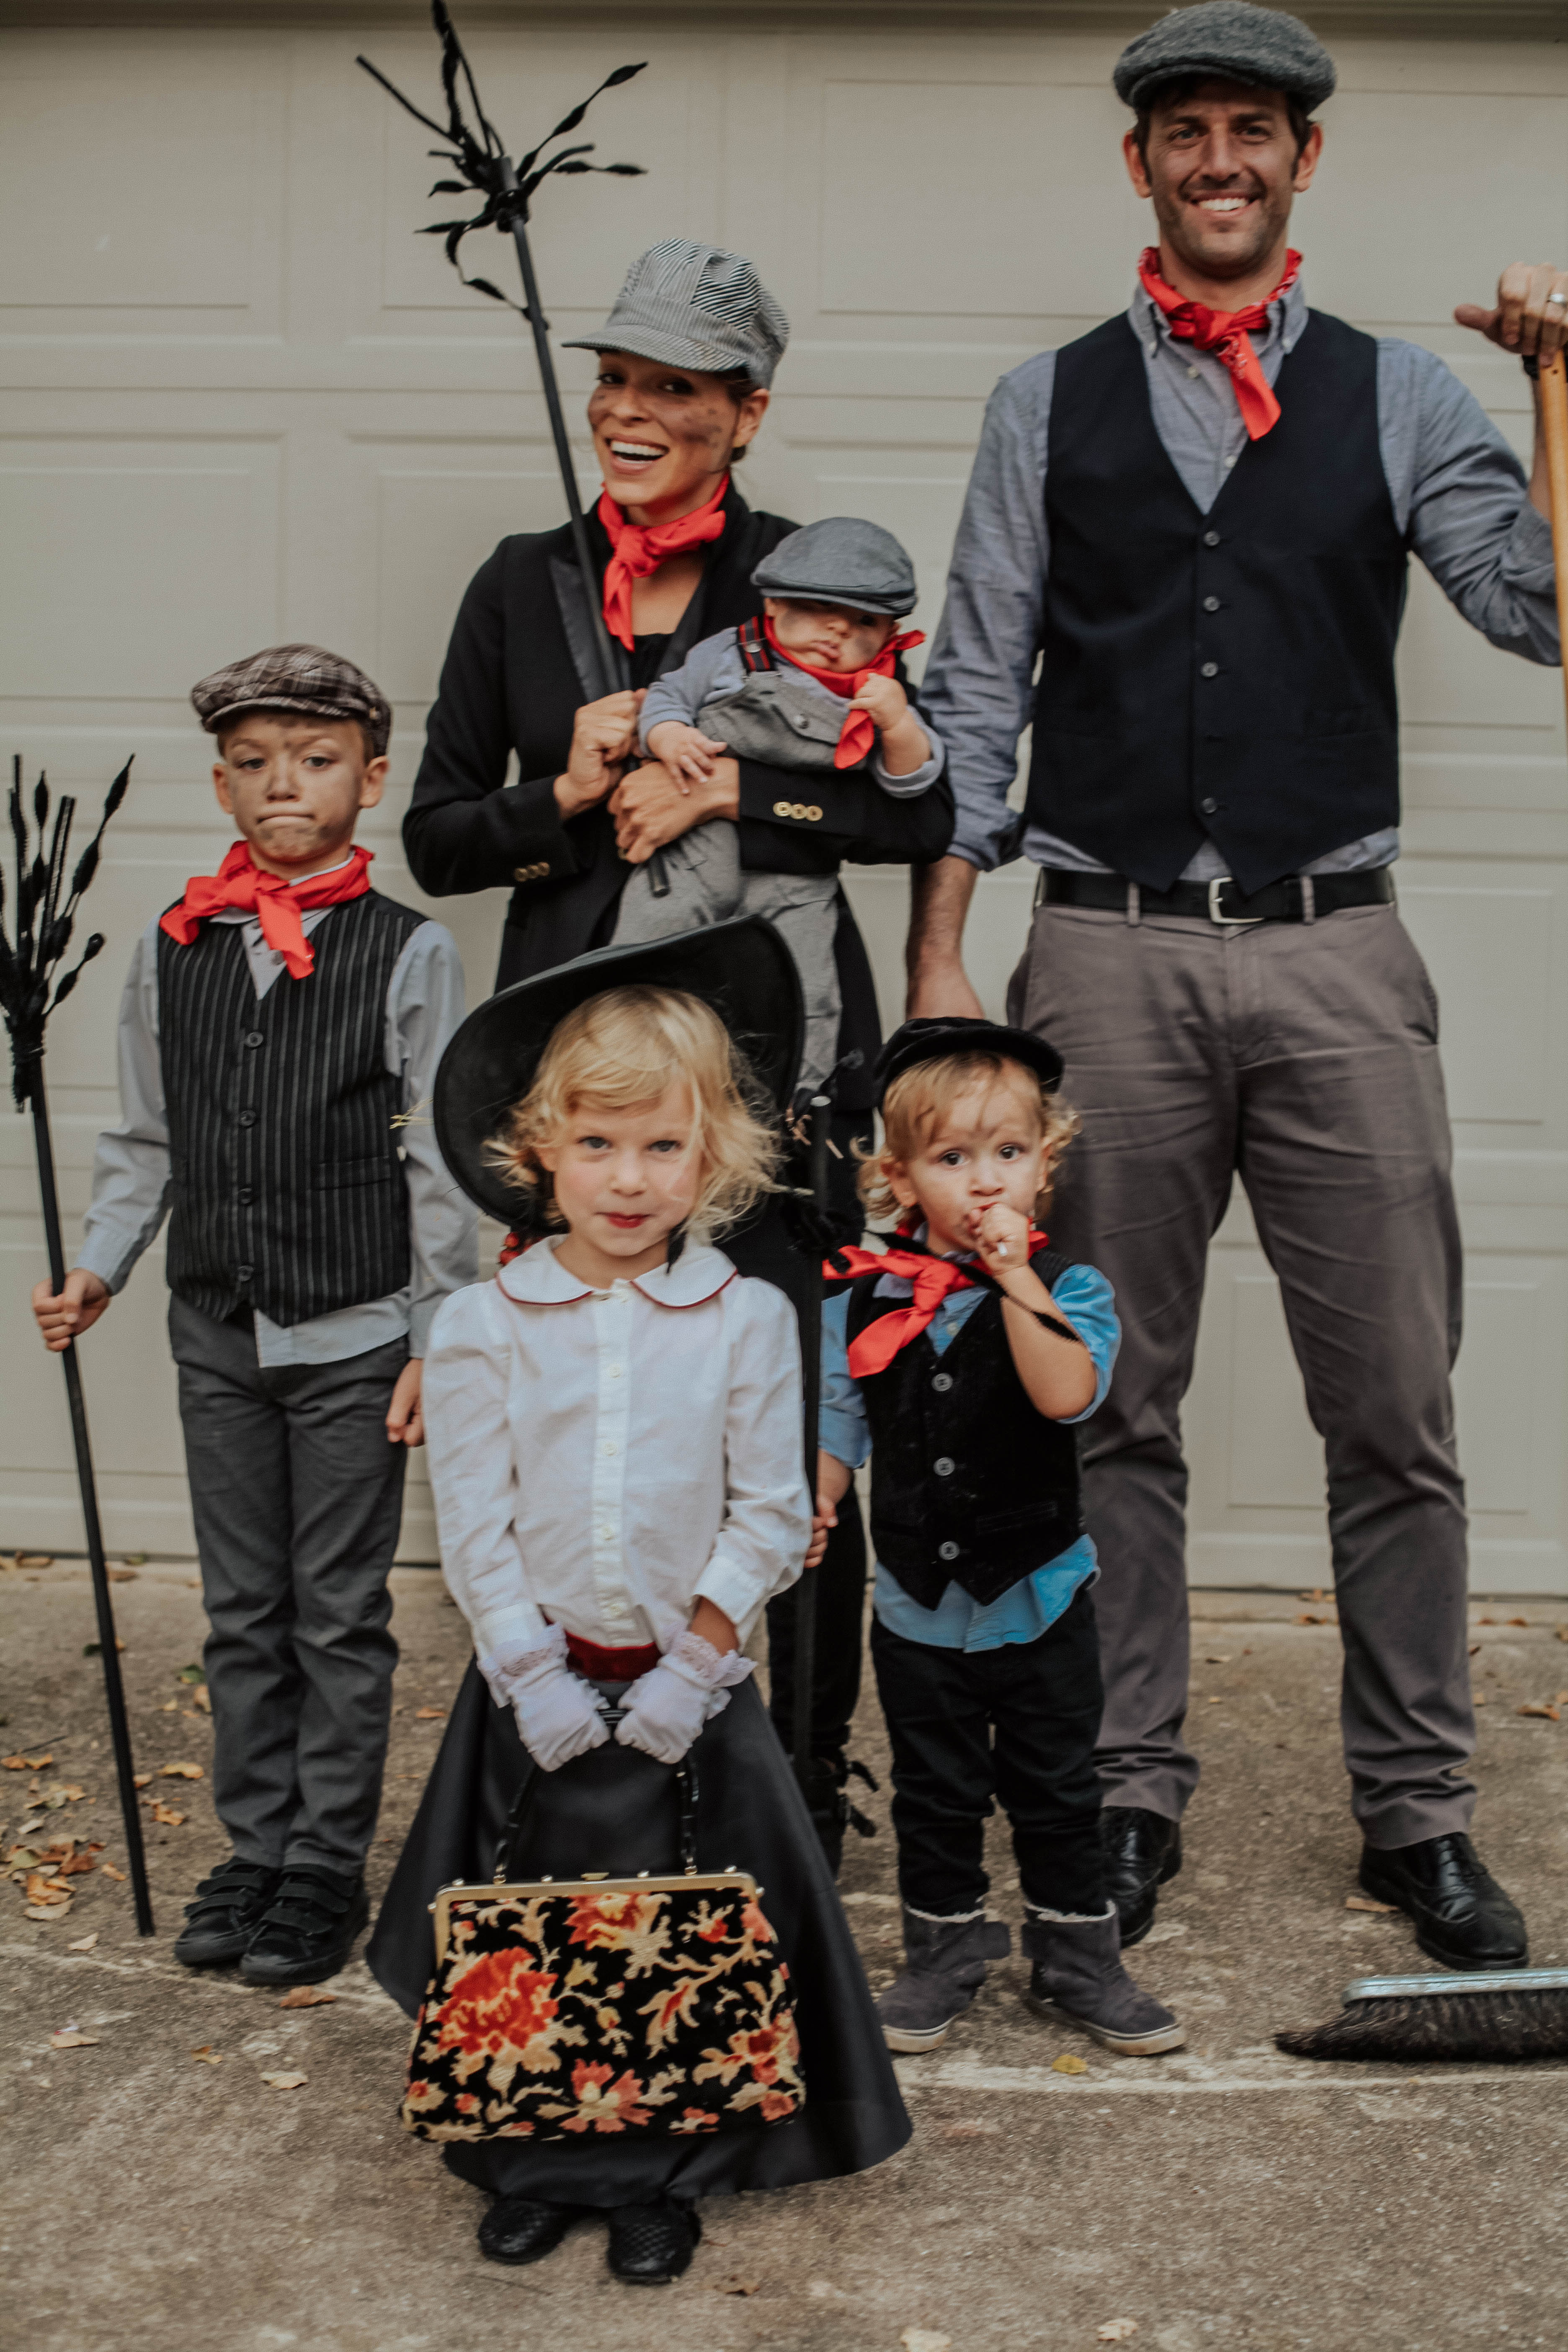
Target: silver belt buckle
(1232, 922)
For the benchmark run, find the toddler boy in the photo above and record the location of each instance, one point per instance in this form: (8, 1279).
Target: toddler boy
(278, 1027)
(811, 686)
(959, 1359)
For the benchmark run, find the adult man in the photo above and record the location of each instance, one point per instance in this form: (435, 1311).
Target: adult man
(1199, 518)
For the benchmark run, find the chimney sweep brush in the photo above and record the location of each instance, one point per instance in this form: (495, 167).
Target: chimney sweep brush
(1510, 2014)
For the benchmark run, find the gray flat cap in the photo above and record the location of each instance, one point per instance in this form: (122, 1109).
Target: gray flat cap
(304, 679)
(842, 561)
(1230, 40)
(694, 306)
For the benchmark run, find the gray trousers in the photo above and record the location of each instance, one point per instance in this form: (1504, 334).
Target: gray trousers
(708, 885)
(298, 1497)
(1303, 1057)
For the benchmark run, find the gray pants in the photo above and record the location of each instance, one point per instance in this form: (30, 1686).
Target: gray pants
(298, 1497)
(707, 885)
(1305, 1057)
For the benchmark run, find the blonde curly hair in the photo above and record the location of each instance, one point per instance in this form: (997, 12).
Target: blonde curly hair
(918, 1099)
(627, 1047)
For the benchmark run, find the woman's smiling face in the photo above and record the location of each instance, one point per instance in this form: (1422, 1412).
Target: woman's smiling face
(664, 435)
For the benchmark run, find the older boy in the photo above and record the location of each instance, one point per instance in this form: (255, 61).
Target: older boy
(960, 1358)
(278, 1027)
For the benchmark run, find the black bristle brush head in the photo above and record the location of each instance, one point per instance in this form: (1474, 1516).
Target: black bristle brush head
(1506, 2017)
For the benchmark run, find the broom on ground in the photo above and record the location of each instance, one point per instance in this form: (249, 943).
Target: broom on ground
(1515, 2013)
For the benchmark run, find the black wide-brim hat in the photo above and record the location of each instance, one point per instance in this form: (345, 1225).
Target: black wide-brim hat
(743, 968)
(959, 1032)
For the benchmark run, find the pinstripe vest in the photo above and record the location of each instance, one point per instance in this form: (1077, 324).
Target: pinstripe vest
(289, 1193)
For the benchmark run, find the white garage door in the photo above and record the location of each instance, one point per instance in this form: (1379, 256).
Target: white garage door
(247, 405)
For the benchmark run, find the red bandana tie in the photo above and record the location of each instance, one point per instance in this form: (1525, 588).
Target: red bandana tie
(1228, 333)
(276, 904)
(858, 733)
(933, 1278)
(640, 548)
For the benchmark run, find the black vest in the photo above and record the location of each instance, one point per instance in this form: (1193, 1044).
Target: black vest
(1229, 673)
(970, 1484)
(289, 1193)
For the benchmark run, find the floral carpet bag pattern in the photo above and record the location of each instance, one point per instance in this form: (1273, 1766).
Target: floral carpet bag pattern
(640, 2007)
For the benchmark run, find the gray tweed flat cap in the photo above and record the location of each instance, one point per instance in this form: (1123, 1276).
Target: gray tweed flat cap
(305, 679)
(842, 561)
(694, 306)
(1263, 47)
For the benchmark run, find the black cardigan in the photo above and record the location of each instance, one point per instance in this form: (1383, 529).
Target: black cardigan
(510, 682)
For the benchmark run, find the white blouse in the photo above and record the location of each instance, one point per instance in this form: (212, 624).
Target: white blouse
(601, 1459)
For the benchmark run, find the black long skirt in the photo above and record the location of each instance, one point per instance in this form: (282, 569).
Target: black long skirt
(749, 1816)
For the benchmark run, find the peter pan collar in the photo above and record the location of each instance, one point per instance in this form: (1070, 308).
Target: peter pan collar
(537, 1278)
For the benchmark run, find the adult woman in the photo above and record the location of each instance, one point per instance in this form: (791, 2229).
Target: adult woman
(688, 359)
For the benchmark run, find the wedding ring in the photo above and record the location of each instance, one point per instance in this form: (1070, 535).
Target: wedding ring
(1556, 296)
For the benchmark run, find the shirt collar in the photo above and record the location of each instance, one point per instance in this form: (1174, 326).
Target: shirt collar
(1287, 318)
(537, 1278)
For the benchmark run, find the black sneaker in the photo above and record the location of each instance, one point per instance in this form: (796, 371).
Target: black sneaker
(221, 1924)
(310, 1927)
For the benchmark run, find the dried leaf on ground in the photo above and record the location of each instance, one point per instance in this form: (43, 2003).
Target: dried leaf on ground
(1316, 1621)
(306, 1997)
(109, 1872)
(202, 1699)
(44, 1888)
(35, 1559)
(924, 2339)
(26, 1829)
(429, 1714)
(85, 1860)
(284, 2082)
(189, 1675)
(1367, 1903)
(169, 1707)
(1563, 1632)
(165, 1815)
(740, 2286)
(1219, 1657)
(1478, 1697)
(139, 1780)
(1117, 2331)
(122, 1576)
(1068, 2064)
(83, 1943)
(49, 1911)
(1167, 1931)
(1517, 1620)
(95, 1649)
(71, 2037)
(180, 1773)
(1541, 1706)
(207, 2056)
(25, 1763)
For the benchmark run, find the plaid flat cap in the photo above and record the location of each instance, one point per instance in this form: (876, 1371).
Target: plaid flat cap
(841, 560)
(694, 306)
(1230, 40)
(303, 679)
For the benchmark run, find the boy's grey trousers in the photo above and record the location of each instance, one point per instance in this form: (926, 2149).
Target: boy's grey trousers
(298, 1497)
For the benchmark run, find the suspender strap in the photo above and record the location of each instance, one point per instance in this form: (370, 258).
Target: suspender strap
(754, 647)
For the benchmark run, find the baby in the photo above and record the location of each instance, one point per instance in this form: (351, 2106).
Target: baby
(810, 687)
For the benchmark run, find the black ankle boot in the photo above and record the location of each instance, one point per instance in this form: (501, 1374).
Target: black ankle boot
(652, 2244)
(520, 2229)
(229, 1906)
(310, 1927)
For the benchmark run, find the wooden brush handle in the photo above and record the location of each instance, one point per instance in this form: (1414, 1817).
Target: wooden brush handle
(1553, 381)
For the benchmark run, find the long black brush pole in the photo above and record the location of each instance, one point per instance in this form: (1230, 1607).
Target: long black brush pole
(546, 359)
(804, 1732)
(114, 1687)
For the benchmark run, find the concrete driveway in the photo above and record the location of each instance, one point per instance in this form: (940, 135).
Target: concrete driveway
(1223, 2197)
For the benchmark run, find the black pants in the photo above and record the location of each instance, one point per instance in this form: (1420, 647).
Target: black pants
(838, 1592)
(1042, 1699)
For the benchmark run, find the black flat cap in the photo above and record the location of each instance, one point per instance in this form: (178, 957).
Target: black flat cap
(743, 968)
(933, 1041)
(841, 560)
(1228, 40)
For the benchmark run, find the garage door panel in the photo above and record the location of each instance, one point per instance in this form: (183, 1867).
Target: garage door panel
(1491, 950)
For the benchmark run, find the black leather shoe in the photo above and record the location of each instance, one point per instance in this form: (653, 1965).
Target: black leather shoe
(652, 2244)
(221, 1924)
(1462, 1915)
(520, 2229)
(1142, 1851)
(310, 1927)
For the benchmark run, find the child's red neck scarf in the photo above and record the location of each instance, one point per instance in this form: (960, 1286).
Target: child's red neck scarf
(638, 547)
(858, 734)
(1228, 333)
(933, 1278)
(240, 884)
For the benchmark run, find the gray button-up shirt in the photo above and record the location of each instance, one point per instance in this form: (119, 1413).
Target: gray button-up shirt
(131, 1178)
(1459, 496)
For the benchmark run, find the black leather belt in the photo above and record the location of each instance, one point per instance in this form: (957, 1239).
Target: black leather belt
(1299, 899)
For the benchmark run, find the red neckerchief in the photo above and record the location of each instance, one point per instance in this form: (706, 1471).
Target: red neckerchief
(932, 1278)
(277, 905)
(858, 734)
(639, 548)
(1228, 333)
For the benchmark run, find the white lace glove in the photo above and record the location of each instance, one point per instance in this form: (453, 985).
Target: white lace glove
(665, 1708)
(559, 1716)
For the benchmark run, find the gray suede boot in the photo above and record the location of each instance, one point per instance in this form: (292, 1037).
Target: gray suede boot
(944, 1968)
(1078, 1978)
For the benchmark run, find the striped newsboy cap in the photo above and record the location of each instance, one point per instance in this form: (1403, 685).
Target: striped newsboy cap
(1226, 40)
(303, 679)
(694, 306)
